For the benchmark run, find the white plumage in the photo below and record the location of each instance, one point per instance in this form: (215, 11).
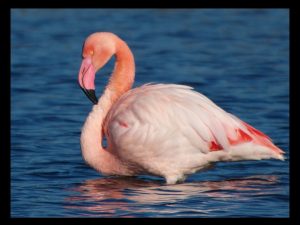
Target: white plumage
(166, 129)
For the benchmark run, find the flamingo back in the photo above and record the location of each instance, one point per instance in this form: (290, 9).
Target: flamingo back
(173, 124)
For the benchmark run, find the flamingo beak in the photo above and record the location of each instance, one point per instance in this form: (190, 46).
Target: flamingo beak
(91, 95)
(86, 79)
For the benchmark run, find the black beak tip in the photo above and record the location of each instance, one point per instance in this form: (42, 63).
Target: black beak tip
(91, 95)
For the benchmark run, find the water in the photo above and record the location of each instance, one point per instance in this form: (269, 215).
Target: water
(238, 58)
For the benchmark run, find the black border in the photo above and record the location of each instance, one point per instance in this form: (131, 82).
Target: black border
(5, 111)
(294, 110)
(156, 4)
(5, 101)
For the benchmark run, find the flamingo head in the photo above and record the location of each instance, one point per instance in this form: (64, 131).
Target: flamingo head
(96, 51)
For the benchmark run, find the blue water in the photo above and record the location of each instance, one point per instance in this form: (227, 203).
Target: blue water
(238, 58)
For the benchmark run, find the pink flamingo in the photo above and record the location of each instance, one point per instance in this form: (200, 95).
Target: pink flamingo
(166, 130)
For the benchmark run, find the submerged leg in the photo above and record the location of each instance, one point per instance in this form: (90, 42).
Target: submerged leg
(174, 179)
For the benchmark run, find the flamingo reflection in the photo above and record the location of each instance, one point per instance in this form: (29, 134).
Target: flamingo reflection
(112, 195)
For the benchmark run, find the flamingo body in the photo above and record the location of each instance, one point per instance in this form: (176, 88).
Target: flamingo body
(166, 130)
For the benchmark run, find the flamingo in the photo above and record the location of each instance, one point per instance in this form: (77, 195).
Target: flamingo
(165, 130)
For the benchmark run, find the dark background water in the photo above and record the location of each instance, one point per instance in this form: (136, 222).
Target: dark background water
(238, 58)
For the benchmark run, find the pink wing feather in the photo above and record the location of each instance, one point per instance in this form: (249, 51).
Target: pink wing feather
(177, 107)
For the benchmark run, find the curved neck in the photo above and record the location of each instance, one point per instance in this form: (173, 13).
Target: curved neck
(122, 77)
(91, 136)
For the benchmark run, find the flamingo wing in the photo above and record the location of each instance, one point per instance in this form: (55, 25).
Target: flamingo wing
(171, 120)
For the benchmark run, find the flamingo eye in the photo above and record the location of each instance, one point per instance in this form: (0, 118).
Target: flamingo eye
(91, 52)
